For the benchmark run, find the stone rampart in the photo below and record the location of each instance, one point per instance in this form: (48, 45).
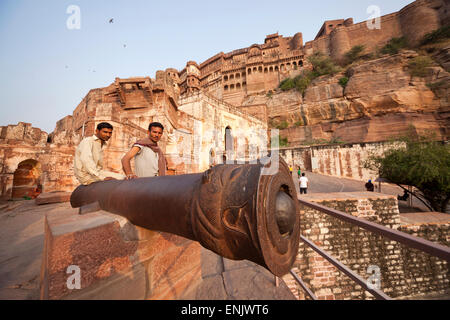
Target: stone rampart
(403, 272)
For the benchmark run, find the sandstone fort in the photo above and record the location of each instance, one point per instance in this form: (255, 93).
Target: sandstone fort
(228, 107)
(230, 90)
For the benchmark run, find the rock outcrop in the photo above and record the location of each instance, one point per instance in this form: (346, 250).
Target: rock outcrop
(380, 100)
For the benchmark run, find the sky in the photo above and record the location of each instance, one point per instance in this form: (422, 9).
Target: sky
(52, 52)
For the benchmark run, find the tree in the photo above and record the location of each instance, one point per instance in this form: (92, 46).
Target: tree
(418, 161)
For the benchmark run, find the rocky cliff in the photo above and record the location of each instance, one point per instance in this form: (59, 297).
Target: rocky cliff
(380, 99)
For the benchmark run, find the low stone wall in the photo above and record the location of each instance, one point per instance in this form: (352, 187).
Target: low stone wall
(403, 271)
(424, 273)
(114, 259)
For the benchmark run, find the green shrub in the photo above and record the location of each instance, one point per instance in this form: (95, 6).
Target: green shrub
(298, 123)
(418, 66)
(283, 125)
(343, 81)
(284, 142)
(437, 35)
(394, 46)
(302, 82)
(322, 65)
(336, 140)
(354, 54)
(287, 84)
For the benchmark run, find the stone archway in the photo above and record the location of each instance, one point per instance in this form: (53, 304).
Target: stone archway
(27, 180)
(229, 143)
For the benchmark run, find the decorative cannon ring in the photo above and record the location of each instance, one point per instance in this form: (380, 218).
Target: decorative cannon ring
(278, 219)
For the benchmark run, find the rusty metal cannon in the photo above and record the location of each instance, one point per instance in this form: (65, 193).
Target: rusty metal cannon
(237, 211)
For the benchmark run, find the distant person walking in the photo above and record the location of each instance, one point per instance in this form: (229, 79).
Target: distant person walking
(299, 172)
(303, 184)
(369, 186)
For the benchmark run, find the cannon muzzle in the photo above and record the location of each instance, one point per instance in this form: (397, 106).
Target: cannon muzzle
(238, 211)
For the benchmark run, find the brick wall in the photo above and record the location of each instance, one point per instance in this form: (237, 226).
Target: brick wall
(403, 271)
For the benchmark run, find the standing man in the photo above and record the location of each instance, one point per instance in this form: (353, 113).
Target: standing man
(88, 162)
(149, 159)
(369, 186)
(303, 184)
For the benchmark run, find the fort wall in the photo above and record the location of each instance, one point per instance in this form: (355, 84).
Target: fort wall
(261, 67)
(401, 271)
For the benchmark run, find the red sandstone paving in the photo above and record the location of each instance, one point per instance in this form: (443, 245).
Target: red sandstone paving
(319, 183)
(21, 245)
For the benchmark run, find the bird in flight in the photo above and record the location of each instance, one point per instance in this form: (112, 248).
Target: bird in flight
(111, 20)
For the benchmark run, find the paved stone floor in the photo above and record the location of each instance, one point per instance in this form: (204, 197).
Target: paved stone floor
(225, 279)
(321, 184)
(21, 245)
(22, 240)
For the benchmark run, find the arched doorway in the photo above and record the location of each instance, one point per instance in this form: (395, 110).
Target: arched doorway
(229, 147)
(27, 180)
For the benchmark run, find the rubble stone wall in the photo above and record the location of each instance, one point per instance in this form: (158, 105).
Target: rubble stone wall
(402, 271)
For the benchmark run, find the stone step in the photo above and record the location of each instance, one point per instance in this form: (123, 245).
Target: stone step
(53, 197)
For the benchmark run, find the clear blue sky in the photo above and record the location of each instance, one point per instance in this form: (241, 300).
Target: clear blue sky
(46, 69)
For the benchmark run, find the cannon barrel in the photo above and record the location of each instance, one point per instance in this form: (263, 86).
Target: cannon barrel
(238, 211)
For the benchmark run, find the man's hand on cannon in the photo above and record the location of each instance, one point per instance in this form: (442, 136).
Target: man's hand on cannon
(235, 210)
(131, 176)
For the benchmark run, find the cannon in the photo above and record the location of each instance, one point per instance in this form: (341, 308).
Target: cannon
(239, 211)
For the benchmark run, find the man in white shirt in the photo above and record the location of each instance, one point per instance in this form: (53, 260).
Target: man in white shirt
(149, 159)
(88, 161)
(303, 184)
